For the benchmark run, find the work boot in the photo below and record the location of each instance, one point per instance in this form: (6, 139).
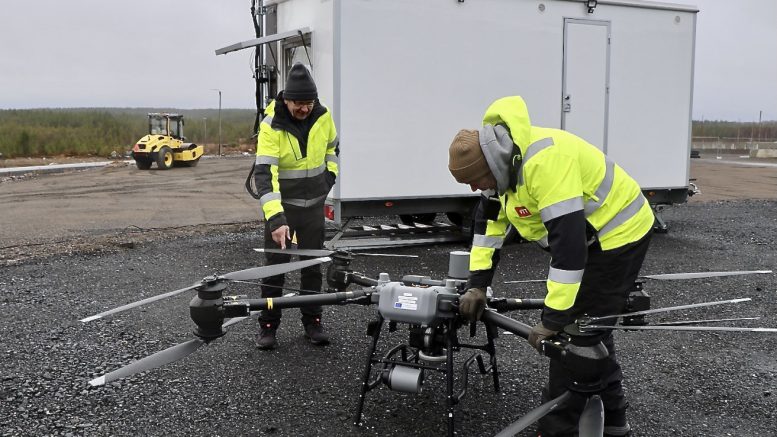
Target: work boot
(315, 333)
(265, 339)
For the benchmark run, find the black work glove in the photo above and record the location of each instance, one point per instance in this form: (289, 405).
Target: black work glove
(538, 333)
(472, 304)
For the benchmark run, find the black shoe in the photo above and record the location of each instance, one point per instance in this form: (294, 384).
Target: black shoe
(265, 339)
(315, 333)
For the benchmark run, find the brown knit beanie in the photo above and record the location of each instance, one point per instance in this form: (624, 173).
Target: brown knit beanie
(466, 161)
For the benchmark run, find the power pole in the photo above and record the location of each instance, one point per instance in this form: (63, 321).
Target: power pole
(219, 91)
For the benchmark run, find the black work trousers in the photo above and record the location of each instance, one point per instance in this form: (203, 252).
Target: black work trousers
(308, 224)
(609, 276)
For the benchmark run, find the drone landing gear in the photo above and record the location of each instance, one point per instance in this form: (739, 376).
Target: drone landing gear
(429, 349)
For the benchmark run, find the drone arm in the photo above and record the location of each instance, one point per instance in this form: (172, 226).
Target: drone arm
(502, 304)
(506, 323)
(241, 308)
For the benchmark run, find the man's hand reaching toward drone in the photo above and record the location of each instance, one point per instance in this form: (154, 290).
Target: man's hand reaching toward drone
(281, 235)
(538, 333)
(472, 304)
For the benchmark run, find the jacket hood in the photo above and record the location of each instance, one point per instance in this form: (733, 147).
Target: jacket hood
(505, 123)
(498, 149)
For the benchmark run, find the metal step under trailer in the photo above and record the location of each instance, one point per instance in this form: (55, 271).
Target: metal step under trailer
(393, 235)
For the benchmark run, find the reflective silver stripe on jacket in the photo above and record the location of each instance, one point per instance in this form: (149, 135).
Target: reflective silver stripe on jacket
(267, 119)
(271, 160)
(301, 174)
(533, 149)
(332, 158)
(487, 241)
(627, 213)
(604, 188)
(543, 242)
(333, 142)
(268, 197)
(561, 208)
(302, 203)
(565, 276)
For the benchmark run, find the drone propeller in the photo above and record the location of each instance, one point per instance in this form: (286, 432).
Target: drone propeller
(324, 252)
(240, 275)
(672, 276)
(591, 422)
(533, 416)
(158, 359)
(697, 275)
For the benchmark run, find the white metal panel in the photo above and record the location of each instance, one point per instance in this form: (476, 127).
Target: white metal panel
(317, 15)
(586, 64)
(651, 74)
(415, 72)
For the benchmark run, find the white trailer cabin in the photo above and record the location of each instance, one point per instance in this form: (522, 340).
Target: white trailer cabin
(403, 76)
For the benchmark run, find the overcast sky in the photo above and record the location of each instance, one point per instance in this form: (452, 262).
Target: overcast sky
(160, 53)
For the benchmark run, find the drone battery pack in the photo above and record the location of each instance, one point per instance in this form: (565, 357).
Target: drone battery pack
(415, 305)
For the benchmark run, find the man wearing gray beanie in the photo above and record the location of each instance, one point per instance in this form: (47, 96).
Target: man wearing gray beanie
(295, 167)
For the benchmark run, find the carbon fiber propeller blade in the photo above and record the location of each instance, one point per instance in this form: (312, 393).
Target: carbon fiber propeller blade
(267, 271)
(672, 276)
(592, 418)
(241, 275)
(533, 416)
(138, 303)
(158, 359)
(324, 252)
(697, 275)
(161, 358)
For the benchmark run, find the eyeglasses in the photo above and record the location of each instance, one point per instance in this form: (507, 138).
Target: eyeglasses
(308, 103)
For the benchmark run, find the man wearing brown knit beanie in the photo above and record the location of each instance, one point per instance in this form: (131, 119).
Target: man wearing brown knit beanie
(564, 193)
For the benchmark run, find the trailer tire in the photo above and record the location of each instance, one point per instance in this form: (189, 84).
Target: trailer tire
(164, 158)
(426, 218)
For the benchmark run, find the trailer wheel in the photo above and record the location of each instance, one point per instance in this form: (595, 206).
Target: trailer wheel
(164, 158)
(409, 219)
(143, 164)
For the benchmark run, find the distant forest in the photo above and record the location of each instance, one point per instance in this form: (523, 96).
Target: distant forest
(102, 131)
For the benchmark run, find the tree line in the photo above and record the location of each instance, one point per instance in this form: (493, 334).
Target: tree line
(745, 131)
(102, 131)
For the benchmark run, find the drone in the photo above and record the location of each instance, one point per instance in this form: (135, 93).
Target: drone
(428, 309)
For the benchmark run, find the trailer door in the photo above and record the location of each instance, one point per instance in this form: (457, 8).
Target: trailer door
(586, 80)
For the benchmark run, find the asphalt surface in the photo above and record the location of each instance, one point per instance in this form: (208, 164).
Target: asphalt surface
(678, 383)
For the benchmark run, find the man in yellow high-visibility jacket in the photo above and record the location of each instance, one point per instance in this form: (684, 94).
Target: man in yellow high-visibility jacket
(562, 192)
(296, 166)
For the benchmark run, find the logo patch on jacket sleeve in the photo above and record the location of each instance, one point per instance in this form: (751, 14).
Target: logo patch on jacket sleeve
(522, 211)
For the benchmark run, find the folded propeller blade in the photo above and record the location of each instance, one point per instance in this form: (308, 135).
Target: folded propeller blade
(697, 275)
(300, 252)
(675, 308)
(591, 422)
(324, 252)
(154, 361)
(161, 358)
(138, 303)
(533, 416)
(672, 276)
(272, 270)
(241, 275)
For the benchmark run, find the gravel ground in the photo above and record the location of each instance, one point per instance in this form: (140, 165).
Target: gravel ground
(679, 384)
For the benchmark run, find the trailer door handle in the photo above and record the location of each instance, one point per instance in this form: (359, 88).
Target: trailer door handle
(567, 105)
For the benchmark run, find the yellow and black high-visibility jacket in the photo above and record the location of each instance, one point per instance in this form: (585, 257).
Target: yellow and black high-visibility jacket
(558, 190)
(296, 161)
